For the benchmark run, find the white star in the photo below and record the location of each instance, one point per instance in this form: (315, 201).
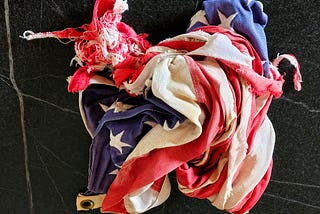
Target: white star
(120, 107)
(166, 127)
(115, 141)
(114, 172)
(249, 1)
(200, 16)
(104, 107)
(226, 22)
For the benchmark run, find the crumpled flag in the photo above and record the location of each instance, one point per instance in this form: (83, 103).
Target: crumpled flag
(196, 103)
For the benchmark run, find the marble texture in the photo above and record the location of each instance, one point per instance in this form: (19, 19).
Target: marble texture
(44, 145)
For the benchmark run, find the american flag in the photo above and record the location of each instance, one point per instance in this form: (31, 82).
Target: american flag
(246, 17)
(195, 103)
(124, 121)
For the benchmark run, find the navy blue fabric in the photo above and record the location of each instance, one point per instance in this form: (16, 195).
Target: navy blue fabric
(250, 21)
(133, 122)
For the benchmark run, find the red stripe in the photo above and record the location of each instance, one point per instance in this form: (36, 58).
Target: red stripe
(157, 185)
(117, 208)
(101, 6)
(181, 45)
(80, 80)
(208, 190)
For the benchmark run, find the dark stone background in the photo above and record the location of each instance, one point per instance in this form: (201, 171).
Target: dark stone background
(33, 87)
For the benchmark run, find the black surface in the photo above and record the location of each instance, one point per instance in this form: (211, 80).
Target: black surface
(56, 140)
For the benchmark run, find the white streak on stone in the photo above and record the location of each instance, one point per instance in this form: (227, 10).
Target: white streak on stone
(21, 105)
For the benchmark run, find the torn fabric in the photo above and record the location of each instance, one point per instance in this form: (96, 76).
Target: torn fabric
(195, 104)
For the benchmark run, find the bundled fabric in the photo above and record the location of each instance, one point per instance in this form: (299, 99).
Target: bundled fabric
(196, 103)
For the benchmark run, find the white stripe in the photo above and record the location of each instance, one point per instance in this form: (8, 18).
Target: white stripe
(255, 165)
(172, 83)
(238, 147)
(146, 198)
(219, 46)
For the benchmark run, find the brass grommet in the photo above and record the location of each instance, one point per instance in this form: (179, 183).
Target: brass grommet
(87, 204)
